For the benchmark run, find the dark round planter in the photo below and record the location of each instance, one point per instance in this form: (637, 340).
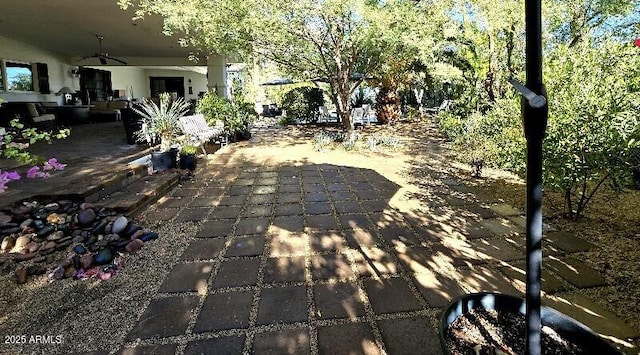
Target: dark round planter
(188, 162)
(132, 124)
(162, 161)
(565, 326)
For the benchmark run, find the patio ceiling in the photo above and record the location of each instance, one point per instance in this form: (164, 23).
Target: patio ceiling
(69, 27)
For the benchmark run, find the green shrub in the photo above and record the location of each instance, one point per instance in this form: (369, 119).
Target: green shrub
(322, 141)
(214, 108)
(302, 102)
(377, 141)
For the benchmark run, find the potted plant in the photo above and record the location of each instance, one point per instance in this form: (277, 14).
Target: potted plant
(188, 157)
(160, 122)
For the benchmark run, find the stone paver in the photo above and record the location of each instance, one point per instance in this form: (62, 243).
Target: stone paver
(338, 300)
(164, 317)
(285, 269)
(203, 249)
(575, 271)
(294, 342)
(568, 242)
(222, 345)
(293, 256)
(410, 336)
(228, 310)
(347, 339)
(188, 277)
(234, 273)
(246, 246)
(391, 295)
(283, 305)
(219, 228)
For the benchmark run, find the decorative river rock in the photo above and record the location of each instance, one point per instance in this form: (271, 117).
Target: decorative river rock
(66, 239)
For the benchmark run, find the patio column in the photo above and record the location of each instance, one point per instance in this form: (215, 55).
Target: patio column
(217, 75)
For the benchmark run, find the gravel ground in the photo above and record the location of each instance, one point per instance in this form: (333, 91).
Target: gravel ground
(82, 313)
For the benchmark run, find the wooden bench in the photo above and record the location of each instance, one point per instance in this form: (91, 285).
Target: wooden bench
(198, 131)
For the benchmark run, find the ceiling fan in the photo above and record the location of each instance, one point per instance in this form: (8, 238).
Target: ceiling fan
(102, 56)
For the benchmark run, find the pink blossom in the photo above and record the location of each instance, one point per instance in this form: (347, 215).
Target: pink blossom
(12, 175)
(53, 164)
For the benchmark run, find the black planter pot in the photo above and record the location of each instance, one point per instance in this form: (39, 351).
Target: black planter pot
(132, 124)
(565, 326)
(162, 161)
(242, 136)
(188, 162)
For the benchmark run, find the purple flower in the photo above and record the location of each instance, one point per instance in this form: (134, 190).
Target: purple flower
(33, 172)
(12, 175)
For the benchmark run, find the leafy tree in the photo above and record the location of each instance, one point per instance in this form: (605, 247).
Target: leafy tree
(21, 82)
(594, 93)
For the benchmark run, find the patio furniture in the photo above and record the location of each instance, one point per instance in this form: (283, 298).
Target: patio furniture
(32, 114)
(357, 117)
(196, 127)
(444, 106)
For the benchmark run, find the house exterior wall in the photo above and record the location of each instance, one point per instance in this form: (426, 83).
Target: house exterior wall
(198, 81)
(59, 70)
(127, 78)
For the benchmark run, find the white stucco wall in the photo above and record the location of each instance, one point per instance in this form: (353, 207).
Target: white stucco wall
(57, 64)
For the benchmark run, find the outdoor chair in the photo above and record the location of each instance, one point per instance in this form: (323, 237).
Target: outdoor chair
(323, 115)
(357, 117)
(444, 106)
(197, 129)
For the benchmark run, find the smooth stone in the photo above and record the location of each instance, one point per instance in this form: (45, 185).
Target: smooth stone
(55, 218)
(86, 261)
(44, 232)
(149, 236)
(56, 235)
(39, 259)
(130, 229)
(11, 230)
(79, 249)
(20, 210)
(76, 232)
(134, 245)
(101, 244)
(32, 247)
(85, 206)
(78, 239)
(21, 275)
(57, 273)
(119, 225)
(24, 257)
(5, 218)
(76, 262)
(38, 223)
(62, 246)
(94, 248)
(22, 242)
(63, 227)
(99, 227)
(64, 239)
(122, 244)
(8, 243)
(26, 223)
(137, 234)
(52, 207)
(86, 217)
(92, 239)
(103, 257)
(41, 215)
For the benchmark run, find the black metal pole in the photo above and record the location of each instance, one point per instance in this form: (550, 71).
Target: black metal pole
(535, 124)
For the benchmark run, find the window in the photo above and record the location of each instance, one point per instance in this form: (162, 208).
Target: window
(19, 76)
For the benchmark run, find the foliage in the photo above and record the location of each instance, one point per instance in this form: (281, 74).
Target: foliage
(161, 120)
(377, 141)
(302, 102)
(188, 149)
(21, 82)
(214, 108)
(594, 125)
(14, 144)
(322, 141)
(236, 116)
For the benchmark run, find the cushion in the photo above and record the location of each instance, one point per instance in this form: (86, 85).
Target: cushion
(100, 105)
(117, 105)
(45, 117)
(33, 112)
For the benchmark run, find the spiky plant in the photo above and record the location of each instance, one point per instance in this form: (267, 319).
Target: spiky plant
(161, 120)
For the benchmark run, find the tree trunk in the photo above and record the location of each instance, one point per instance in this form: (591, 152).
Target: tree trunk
(388, 105)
